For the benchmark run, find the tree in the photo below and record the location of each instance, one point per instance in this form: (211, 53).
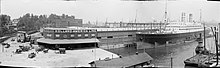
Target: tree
(28, 22)
(4, 19)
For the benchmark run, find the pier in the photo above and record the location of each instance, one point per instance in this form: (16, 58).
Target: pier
(162, 55)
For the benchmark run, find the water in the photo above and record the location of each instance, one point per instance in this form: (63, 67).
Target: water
(162, 55)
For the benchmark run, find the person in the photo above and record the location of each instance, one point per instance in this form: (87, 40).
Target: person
(31, 46)
(57, 46)
(199, 48)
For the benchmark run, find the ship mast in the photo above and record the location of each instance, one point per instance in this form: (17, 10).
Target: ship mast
(106, 21)
(165, 16)
(135, 17)
(216, 44)
(0, 6)
(200, 17)
(165, 12)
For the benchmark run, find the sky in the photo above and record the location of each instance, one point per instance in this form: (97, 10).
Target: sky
(113, 10)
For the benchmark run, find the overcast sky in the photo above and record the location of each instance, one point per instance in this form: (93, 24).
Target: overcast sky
(113, 10)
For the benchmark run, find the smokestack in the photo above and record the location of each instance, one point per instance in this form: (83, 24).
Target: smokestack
(183, 17)
(190, 18)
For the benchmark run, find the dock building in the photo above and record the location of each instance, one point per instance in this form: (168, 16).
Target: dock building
(69, 38)
(106, 38)
(119, 35)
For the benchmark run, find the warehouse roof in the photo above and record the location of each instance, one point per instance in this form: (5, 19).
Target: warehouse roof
(67, 41)
(124, 61)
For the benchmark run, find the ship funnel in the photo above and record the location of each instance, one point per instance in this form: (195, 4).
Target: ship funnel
(183, 17)
(190, 18)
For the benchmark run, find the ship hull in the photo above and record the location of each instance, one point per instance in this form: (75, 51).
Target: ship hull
(161, 39)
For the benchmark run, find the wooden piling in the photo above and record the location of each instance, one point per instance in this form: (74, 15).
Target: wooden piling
(155, 44)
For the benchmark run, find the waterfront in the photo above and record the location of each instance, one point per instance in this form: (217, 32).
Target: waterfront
(162, 55)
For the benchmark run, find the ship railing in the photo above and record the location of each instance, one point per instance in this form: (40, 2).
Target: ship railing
(124, 29)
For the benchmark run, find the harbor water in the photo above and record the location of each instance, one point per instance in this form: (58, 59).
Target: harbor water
(162, 55)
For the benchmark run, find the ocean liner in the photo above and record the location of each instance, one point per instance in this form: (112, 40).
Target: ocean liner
(175, 31)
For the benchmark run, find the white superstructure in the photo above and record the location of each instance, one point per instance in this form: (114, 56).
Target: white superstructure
(183, 27)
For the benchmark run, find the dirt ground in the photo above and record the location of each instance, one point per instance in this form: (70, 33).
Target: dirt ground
(72, 58)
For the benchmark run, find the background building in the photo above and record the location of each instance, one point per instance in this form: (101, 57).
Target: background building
(65, 21)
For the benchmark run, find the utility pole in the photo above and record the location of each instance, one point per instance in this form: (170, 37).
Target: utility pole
(218, 33)
(216, 44)
(171, 61)
(204, 37)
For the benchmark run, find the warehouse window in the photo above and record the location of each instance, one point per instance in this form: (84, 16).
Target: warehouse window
(72, 35)
(79, 35)
(93, 34)
(86, 35)
(49, 35)
(98, 37)
(110, 37)
(57, 35)
(129, 35)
